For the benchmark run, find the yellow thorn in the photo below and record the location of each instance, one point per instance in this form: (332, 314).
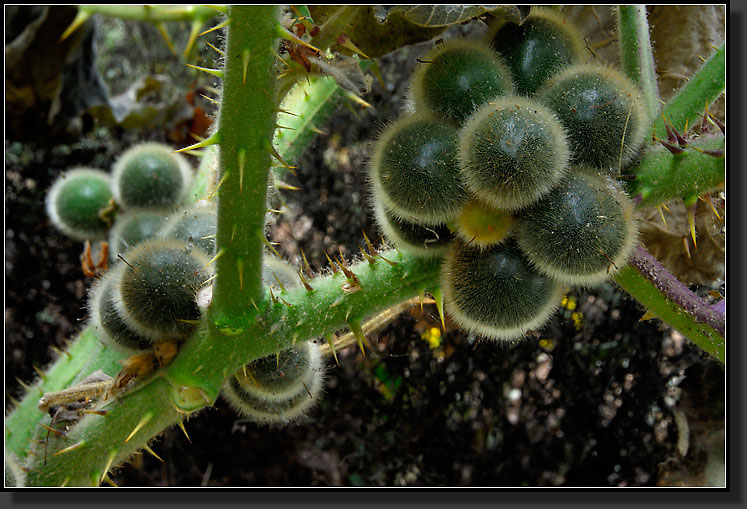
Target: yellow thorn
(147, 417)
(331, 340)
(355, 326)
(240, 270)
(661, 213)
(687, 247)
(196, 25)
(69, 449)
(110, 482)
(269, 244)
(254, 304)
(356, 99)
(220, 253)
(701, 58)
(162, 30)
(215, 72)
(109, 461)
(439, 297)
(184, 430)
(80, 18)
(242, 161)
(209, 279)
(290, 36)
(214, 101)
(220, 183)
(64, 483)
(287, 187)
(713, 207)
(691, 223)
(153, 453)
(216, 27)
(245, 55)
(219, 51)
(282, 287)
(233, 234)
(421, 297)
(647, 316)
(213, 139)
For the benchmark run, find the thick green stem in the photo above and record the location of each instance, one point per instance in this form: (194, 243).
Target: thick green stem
(637, 57)
(247, 124)
(688, 106)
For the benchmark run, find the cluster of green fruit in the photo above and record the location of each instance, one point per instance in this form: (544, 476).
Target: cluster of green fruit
(504, 167)
(160, 253)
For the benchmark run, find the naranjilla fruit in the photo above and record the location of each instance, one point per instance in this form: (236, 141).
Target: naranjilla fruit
(105, 318)
(582, 232)
(415, 172)
(511, 152)
(75, 202)
(415, 238)
(195, 226)
(279, 388)
(537, 49)
(158, 287)
(602, 112)
(151, 175)
(495, 292)
(457, 77)
(132, 227)
(481, 226)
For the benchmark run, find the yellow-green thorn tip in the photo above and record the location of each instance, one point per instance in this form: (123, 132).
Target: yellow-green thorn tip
(71, 448)
(331, 340)
(80, 18)
(109, 461)
(162, 30)
(147, 417)
(220, 183)
(240, 270)
(268, 243)
(213, 139)
(290, 36)
(216, 27)
(245, 55)
(439, 298)
(217, 50)
(153, 453)
(218, 255)
(196, 26)
(242, 161)
(690, 203)
(421, 297)
(355, 327)
(218, 73)
(184, 430)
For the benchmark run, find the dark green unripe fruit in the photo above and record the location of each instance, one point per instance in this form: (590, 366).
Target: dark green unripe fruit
(279, 388)
(414, 238)
(582, 232)
(457, 77)
(512, 151)
(496, 292)
(481, 226)
(415, 172)
(133, 227)
(106, 318)
(195, 226)
(151, 175)
(158, 289)
(539, 48)
(75, 201)
(602, 112)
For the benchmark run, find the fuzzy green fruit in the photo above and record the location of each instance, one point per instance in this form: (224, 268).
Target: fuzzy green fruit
(582, 232)
(482, 226)
(415, 238)
(158, 288)
(457, 77)
(111, 328)
(512, 151)
(133, 227)
(75, 201)
(602, 112)
(495, 292)
(151, 175)
(415, 172)
(194, 226)
(540, 47)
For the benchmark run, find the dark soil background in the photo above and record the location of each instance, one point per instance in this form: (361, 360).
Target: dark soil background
(596, 398)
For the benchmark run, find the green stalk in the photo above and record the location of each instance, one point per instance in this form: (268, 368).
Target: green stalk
(247, 124)
(637, 57)
(687, 107)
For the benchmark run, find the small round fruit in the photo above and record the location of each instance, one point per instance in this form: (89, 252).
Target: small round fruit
(195, 226)
(75, 200)
(133, 227)
(279, 388)
(482, 226)
(496, 292)
(277, 272)
(151, 175)
(106, 319)
(602, 112)
(539, 48)
(415, 172)
(415, 238)
(582, 232)
(512, 151)
(158, 289)
(457, 77)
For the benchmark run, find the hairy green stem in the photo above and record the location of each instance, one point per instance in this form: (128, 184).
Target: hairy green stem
(637, 57)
